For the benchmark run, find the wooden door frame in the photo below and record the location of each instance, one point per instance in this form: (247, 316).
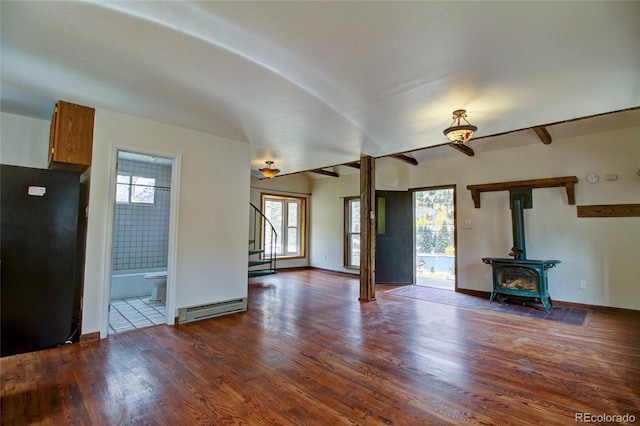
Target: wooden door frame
(172, 257)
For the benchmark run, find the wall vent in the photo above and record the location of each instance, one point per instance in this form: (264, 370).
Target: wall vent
(195, 313)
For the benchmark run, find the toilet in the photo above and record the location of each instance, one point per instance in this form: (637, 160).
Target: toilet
(158, 281)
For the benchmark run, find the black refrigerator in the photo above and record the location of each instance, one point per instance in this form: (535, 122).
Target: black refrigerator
(41, 258)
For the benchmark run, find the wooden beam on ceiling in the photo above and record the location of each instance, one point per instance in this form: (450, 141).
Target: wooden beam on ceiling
(466, 149)
(543, 134)
(406, 159)
(325, 172)
(462, 148)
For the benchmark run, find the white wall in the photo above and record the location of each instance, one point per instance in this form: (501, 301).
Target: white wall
(213, 211)
(24, 141)
(295, 186)
(327, 220)
(602, 251)
(327, 210)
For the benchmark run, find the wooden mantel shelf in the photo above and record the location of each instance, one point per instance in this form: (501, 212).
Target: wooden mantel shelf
(567, 182)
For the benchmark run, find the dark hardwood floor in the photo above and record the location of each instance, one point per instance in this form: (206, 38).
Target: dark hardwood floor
(307, 352)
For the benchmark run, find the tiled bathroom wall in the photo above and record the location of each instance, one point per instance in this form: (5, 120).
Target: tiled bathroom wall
(141, 231)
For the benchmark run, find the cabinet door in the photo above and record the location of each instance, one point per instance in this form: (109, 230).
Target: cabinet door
(72, 136)
(52, 134)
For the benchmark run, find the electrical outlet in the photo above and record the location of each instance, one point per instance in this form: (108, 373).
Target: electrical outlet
(583, 284)
(487, 276)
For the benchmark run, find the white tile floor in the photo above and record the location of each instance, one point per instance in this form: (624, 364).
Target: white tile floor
(135, 312)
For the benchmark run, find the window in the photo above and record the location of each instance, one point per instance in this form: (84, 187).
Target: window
(286, 214)
(352, 232)
(135, 189)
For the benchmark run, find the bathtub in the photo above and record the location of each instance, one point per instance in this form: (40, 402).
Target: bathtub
(131, 283)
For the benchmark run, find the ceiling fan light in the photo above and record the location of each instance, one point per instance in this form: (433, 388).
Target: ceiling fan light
(270, 171)
(460, 133)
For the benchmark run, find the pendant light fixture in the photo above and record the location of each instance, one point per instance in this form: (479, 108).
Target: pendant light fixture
(270, 171)
(459, 133)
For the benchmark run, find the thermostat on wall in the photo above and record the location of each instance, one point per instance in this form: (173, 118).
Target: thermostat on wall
(592, 178)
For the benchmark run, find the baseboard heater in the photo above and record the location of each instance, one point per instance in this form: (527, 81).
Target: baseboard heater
(195, 313)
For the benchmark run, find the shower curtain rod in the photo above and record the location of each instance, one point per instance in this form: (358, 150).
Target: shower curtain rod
(165, 188)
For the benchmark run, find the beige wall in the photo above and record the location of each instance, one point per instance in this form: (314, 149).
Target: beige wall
(212, 210)
(600, 251)
(327, 224)
(604, 252)
(24, 141)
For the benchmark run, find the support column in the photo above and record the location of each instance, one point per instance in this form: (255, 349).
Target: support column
(367, 229)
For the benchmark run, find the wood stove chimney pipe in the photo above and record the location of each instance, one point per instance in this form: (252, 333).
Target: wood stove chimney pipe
(520, 200)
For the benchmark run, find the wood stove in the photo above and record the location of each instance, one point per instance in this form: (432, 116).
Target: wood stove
(520, 276)
(524, 278)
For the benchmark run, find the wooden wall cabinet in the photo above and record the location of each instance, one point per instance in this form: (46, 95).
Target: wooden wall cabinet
(71, 138)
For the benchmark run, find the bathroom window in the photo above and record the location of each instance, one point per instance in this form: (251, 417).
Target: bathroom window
(135, 189)
(352, 232)
(287, 216)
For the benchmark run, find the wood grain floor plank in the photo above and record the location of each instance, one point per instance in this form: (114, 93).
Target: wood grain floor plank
(308, 352)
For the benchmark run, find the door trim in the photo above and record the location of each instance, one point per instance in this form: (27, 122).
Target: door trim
(172, 256)
(455, 226)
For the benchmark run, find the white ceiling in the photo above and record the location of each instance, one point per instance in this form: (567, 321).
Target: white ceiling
(315, 84)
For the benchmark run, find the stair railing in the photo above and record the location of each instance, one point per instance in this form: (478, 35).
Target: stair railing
(260, 222)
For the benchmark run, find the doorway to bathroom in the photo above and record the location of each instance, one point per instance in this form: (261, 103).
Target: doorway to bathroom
(140, 241)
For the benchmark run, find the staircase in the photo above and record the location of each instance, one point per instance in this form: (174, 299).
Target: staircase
(262, 262)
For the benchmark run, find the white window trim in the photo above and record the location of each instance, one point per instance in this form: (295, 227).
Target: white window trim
(348, 233)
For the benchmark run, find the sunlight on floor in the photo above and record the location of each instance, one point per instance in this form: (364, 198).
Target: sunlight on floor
(435, 282)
